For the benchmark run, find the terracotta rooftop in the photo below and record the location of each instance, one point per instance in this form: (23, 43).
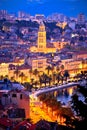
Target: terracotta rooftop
(5, 122)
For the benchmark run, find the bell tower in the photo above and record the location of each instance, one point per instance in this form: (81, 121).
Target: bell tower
(42, 37)
(41, 42)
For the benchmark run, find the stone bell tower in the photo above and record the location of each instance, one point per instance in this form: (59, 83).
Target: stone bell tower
(42, 37)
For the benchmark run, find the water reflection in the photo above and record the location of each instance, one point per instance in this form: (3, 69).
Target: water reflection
(65, 95)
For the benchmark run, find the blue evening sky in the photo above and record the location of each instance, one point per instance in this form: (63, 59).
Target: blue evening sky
(47, 7)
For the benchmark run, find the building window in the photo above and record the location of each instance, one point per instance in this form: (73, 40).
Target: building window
(14, 95)
(41, 41)
(40, 46)
(5, 95)
(21, 96)
(40, 35)
(40, 62)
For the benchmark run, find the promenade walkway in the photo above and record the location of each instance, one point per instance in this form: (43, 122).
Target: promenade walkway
(54, 88)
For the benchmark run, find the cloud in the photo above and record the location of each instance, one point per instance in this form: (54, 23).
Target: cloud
(36, 1)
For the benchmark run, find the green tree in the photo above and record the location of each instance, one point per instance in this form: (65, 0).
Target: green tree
(79, 105)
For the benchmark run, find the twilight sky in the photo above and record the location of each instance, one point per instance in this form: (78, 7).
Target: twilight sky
(47, 7)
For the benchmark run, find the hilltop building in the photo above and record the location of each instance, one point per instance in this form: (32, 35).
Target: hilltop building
(81, 18)
(39, 16)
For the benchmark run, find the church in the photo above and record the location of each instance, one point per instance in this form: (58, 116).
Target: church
(42, 43)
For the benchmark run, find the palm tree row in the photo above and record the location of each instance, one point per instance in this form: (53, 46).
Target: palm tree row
(54, 77)
(36, 78)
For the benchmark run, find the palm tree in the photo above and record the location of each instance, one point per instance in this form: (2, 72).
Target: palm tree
(17, 72)
(62, 67)
(54, 78)
(40, 81)
(62, 78)
(45, 78)
(36, 72)
(52, 68)
(58, 78)
(22, 75)
(32, 82)
(30, 73)
(48, 69)
(27, 85)
(57, 69)
(49, 80)
(66, 74)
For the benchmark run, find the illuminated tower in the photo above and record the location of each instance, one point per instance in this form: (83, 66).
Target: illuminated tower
(42, 37)
(41, 42)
